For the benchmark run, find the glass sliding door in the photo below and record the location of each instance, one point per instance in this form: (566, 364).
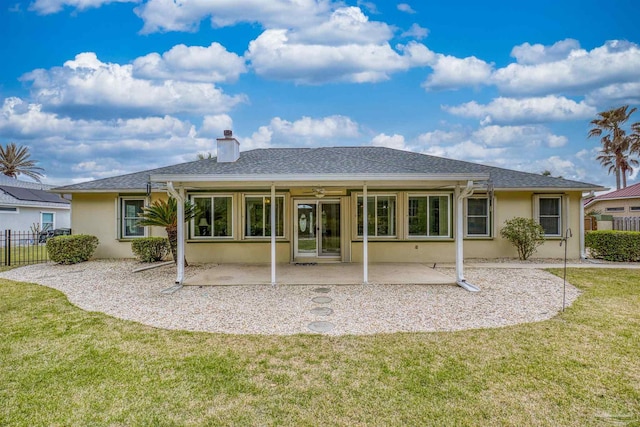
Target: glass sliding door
(330, 228)
(317, 228)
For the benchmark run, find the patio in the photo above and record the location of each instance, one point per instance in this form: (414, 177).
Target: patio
(319, 274)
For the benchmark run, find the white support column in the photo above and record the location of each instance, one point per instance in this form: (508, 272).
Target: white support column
(179, 196)
(365, 235)
(459, 196)
(273, 234)
(583, 252)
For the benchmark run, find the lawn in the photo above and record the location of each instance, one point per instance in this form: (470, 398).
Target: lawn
(62, 366)
(25, 254)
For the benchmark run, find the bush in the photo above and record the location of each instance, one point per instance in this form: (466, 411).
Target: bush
(71, 249)
(525, 234)
(614, 245)
(150, 249)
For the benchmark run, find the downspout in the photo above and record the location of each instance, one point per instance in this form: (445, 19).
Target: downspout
(179, 196)
(460, 195)
(583, 252)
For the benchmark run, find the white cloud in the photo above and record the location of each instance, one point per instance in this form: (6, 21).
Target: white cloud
(273, 55)
(450, 72)
(214, 126)
(170, 15)
(45, 7)
(195, 63)
(440, 137)
(86, 82)
(528, 54)
(404, 7)
(580, 70)
(468, 151)
(369, 6)
(416, 31)
(622, 93)
(390, 141)
(532, 136)
(528, 110)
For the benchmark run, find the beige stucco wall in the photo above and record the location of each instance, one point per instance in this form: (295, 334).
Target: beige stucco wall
(97, 214)
(602, 205)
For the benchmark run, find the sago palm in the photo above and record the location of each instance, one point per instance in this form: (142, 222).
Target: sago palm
(163, 213)
(15, 161)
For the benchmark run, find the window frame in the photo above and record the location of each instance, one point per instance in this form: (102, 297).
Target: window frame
(264, 196)
(634, 208)
(615, 209)
(449, 196)
(9, 210)
(489, 216)
(212, 196)
(53, 220)
(375, 203)
(123, 218)
(561, 220)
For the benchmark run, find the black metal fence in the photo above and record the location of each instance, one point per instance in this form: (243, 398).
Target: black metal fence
(22, 248)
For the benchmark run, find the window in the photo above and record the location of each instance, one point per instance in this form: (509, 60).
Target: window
(7, 209)
(634, 208)
(215, 217)
(47, 221)
(429, 216)
(615, 209)
(258, 216)
(550, 214)
(381, 213)
(130, 209)
(478, 216)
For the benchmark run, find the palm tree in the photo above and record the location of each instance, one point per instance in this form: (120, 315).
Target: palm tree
(615, 140)
(165, 214)
(15, 161)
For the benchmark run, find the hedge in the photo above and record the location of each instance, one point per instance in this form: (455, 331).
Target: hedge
(614, 245)
(150, 249)
(71, 249)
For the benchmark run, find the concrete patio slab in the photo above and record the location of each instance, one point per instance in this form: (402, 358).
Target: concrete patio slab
(319, 274)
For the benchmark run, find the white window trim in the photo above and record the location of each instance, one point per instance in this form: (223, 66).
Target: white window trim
(615, 209)
(634, 208)
(449, 235)
(192, 226)
(53, 224)
(375, 236)
(121, 215)
(12, 212)
(561, 216)
(489, 217)
(265, 212)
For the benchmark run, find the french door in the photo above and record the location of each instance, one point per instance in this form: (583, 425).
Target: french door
(317, 228)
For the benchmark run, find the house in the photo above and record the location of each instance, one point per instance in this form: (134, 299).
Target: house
(24, 203)
(282, 205)
(620, 203)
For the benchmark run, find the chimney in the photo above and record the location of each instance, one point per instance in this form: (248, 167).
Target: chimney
(228, 148)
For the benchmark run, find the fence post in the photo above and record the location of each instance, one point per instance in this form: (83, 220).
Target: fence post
(7, 249)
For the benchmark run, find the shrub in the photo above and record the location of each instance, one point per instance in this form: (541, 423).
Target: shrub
(525, 234)
(614, 245)
(150, 249)
(71, 249)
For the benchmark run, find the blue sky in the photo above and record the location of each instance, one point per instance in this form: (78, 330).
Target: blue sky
(98, 88)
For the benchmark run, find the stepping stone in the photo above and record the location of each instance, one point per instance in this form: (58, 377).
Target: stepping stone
(321, 300)
(321, 326)
(322, 290)
(322, 311)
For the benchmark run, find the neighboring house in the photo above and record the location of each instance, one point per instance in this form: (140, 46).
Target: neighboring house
(620, 203)
(24, 203)
(419, 208)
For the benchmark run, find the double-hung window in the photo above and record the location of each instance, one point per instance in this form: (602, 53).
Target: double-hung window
(478, 220)
(258, 216)
(381, 216)
(47, 221)
(549, 214)
(214, 218)
(429, 215)
(129, 226)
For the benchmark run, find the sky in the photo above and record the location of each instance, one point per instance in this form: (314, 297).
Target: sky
(98, 88)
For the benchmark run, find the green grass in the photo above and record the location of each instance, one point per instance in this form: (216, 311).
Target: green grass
(21, 255)
(62, 366)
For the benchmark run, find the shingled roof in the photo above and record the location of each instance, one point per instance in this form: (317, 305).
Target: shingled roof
(332, 160)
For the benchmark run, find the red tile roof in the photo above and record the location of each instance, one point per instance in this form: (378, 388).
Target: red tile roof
(624, 193)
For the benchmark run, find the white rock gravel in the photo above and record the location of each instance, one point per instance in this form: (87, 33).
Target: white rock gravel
(508, 296)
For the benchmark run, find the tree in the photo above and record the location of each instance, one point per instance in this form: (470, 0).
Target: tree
(525, 234)
(204, 156)
(163, 213)
(15, 161)
(615, 141)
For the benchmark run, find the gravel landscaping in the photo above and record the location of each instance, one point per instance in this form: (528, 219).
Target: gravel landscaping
(508, 296)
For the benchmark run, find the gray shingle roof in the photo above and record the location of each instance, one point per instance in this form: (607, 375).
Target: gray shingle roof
(332, 160)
